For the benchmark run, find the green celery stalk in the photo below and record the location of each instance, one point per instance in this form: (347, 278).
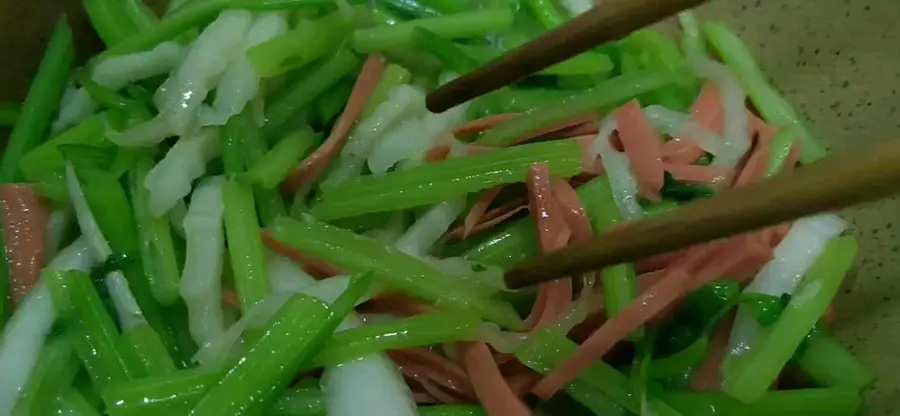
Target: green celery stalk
(47, 158)
(177, 394)
(292, 337)
(398, 270)
(415, 331)
(41, 102)
(95, 337)
(104, 96)
(109, 20)
(73, 402)
(829, 364)
(142, 16)
(107, 201)
(308, 41)
(393, 76)
(779, 149)
(460, 25)
(330, 105)
(232, 151)
(300, 401)
(452, 410)
(382, 16)
(172, 394)
(156, 245)
(435, 182)
(758, 369)
(412, 7)
(9, 114)
(602, 97)
(447, 6)
(545, 349)
(448, 53)
(150, 350)
(546, 12)
(587, 63)
(771, 105)
(248, 256)
(254, 147)
(52, 375)
(803, 402)
(317, 81)
(275, 165)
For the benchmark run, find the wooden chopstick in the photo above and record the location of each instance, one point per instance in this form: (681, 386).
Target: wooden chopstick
(828, 185)
(611, 20)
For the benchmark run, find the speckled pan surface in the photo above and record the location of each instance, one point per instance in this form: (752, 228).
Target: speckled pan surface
(837, 60)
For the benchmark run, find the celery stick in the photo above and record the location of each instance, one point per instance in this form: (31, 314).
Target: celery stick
(353, 252)
(308, 41)
(95, 337)
(331, 105)
(602, 97)
(448, 53)
(588, 63)
(416, 331)
(754, 374)
(150, 350)
(412, 8)
(47, 158)
(173, 394)
(41, 102)
(9, 114)
(232, 151)
(779, 149)
(177, 394)
(803, 402)
(292, 337)
(327, 73)
(436, 182)
(108, 20)
(254, 147)
(299, 402)
(829, 364)
(771, 105)
(546, 13)
(104, 96)
(138, 12)
(393, 76)
(452, 410)
(248, 256)
(275, 165)
(108, 201)
(52, 374)
(156, 245)
(545, 349)
(460, 25)
(73, 402)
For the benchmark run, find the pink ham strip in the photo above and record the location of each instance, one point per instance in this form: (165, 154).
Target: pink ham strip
(642, 145)
(681, 151)
(494, 393)
(483, 124)
(708, 376)
(479, 208)
(316, 267)
(24, 231)
(313, 165)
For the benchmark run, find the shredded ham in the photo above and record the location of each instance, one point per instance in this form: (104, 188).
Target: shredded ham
(707, 108)
(555, 130)
(494, 393)
(643, 147)
(708, 376)
(479, 208)
(483, 124)
(316, 267)
(436, 369)
(24, 230)
(489, 219)
(553, 297)
(230, 298)
(696, 173)
(681, 151)
(398, 304)
(313, 165)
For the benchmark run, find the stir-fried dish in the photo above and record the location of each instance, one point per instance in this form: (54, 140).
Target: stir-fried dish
(243, 207)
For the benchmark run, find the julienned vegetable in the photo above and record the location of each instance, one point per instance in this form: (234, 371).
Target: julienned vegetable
(186, 288)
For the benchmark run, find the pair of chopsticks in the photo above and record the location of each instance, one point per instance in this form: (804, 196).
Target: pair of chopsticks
(831, 184)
